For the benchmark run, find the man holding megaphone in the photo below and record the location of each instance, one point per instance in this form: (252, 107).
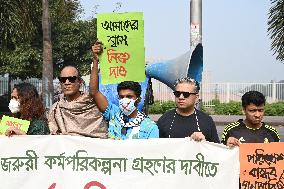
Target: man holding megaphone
(185, 120)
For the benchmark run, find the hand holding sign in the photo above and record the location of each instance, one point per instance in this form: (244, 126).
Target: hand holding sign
(232, 142)
(14, 131)
(13, 126)
(97, 50)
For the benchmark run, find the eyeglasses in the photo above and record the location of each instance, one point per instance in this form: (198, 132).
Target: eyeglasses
(71, 79)
(184, 94)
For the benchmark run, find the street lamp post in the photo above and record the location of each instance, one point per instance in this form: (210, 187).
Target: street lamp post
(195, 23)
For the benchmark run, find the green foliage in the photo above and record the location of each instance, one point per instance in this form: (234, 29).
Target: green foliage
(214, 102)
(276, 28)
(19, 21)
(275, 109)
(231, 108)
(72, 45)
(21, 37)
(235, 108)
(23, 61)
(160, 108)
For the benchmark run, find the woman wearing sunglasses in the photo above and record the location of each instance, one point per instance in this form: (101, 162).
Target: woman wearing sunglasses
(185, 120)
(26, 104)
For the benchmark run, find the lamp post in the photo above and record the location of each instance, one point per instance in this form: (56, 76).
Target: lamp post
(195, 23)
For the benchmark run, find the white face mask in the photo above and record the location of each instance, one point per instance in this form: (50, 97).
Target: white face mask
(14, 106)
(127, 105)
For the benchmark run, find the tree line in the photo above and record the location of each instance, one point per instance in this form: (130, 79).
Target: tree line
(21, 37)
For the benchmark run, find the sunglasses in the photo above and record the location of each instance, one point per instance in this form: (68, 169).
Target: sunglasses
(184, 94)
(71, 79)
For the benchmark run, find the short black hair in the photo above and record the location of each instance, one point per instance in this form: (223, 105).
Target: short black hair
(253, 97)
(131, 85)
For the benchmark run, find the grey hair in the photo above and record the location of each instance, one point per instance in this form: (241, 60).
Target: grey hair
(188, 80)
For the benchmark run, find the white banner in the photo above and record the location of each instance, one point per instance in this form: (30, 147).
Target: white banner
(69, 162)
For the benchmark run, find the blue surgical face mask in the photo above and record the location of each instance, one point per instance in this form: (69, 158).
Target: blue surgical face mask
(127, 105)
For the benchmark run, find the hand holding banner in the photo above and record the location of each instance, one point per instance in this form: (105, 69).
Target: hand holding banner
(89, 162)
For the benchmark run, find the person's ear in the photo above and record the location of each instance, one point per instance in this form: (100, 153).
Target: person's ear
(197, 98)
(243, 110)
(138, 101)
(81, 84)
(80, 80)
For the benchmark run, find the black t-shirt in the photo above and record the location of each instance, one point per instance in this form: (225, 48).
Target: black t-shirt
(239, 130)
(184, 126)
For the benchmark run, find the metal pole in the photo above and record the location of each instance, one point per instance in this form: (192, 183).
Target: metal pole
(273, 91)
(196, 29)
(195, 23)
(228, 92)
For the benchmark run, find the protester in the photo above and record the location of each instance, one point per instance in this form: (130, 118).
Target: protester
(185, 120)
(252, 129)
(26, 104)
(125, 121)
(76, 112)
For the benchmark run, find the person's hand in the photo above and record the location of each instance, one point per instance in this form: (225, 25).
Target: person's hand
(197, 136)
(14, 131)
(97, 49)
(232, 141)
(52, 133)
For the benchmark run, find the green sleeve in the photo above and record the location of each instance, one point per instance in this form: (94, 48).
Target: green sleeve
(38, 127)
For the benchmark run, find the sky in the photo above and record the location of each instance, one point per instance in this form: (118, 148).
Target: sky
(235, 38)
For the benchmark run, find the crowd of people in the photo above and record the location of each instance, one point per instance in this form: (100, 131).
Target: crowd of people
(92, 115)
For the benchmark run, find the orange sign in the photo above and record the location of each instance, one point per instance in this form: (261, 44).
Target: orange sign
(262, 165)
